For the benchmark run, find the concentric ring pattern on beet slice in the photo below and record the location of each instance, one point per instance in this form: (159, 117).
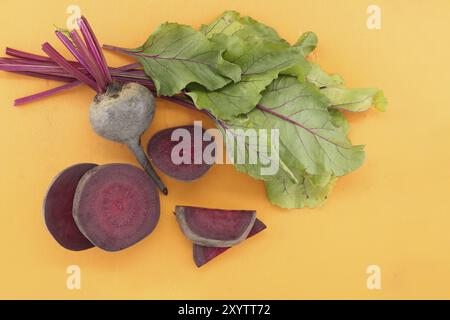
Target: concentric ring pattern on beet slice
(58, 205)
(160, 148)
(116, 206)
(215, 227)
(203, 255)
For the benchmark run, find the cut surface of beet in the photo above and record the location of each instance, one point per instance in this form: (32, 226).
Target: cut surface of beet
(160, 148)
(58, 205)
(203, 254)
(215, 227)
(116, 206)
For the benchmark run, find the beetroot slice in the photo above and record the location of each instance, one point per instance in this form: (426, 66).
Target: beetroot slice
(159, 150)
(215, 227)
(116, 206)
(203, 255)
(58, 205)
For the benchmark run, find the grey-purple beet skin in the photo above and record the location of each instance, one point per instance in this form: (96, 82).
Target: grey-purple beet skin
(215, 227)
(203, 255)
(58, 205)
(122, 114)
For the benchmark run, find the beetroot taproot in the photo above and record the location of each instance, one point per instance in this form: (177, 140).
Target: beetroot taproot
(203, 255)
(116, 206)
(58, 205)
(178, 152)
(122, 113)
(215, 227)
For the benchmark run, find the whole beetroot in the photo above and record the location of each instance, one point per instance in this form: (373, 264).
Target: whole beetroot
(122, 114)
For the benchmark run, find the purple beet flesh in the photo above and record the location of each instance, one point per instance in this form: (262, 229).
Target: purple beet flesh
(116, 206)
(215, 227)
(203, 255)
(160, 148)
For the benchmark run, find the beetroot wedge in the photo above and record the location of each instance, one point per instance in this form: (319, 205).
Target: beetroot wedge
(116, 206)
(203, 255)
(189, 164)
(215, 227)
(58, 205)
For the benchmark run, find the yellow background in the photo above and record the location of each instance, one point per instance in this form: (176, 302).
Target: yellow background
(393, 212)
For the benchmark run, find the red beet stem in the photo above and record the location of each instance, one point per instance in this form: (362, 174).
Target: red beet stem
(122, 74)
(94, 45)
(25, 55)
(92, 68)
(130, 66)
(88, 53)
(32, 68)
(116, 49)
(61, 78)
(6, 60)
(19, 64)
(46, 93)
(63, 63)
(71, 47)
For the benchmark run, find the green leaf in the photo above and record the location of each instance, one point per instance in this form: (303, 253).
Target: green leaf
(241, 135)
(355, 100)
(305, 190)
(307, 43)
(301, 114)
(321, 79)
(231, 23)
(311, 191)
(291, 186)
(313, 148)
(260, 53)
(339, 121)
(177, 55)
(261, 65)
